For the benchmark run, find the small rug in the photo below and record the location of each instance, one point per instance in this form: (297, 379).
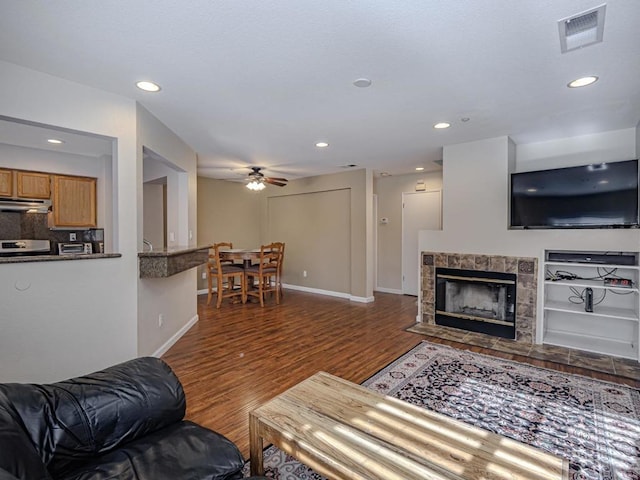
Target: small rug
(593, 424)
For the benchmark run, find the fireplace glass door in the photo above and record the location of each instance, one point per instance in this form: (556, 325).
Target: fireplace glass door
(477, 301)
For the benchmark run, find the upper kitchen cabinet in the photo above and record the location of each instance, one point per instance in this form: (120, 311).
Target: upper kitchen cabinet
(6, 183)
(74, 201)
(33, 184)
(25, 184)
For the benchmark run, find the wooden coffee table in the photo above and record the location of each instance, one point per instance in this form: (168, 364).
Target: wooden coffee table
(345, 431)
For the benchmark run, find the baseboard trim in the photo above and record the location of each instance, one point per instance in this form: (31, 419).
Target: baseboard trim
(329, 293)
(169, 343)
(319, 291)
(362, 299)
(388, 290)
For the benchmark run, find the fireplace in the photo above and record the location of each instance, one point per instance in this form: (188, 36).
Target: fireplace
(523, 269)
(477, 301)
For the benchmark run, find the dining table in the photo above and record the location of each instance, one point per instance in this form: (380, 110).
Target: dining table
(248, 256)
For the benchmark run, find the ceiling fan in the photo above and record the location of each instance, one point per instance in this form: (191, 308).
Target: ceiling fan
(257, 180)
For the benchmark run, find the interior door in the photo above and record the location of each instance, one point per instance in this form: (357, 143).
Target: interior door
(420, 211)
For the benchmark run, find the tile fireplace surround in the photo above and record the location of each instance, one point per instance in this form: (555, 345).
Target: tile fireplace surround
(526, 269)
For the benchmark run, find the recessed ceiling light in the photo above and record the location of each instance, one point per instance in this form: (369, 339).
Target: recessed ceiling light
(322, 144)
(362, 83)
(442, 125)
(148, 86)
(55, 141)
(465, 119)
(582, 82)
(419, 169)
(532, 190)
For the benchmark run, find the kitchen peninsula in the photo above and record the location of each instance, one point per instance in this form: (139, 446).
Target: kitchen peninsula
(169, 261)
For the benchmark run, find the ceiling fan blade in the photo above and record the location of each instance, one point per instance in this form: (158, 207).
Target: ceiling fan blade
(273, 182)
(279, 179)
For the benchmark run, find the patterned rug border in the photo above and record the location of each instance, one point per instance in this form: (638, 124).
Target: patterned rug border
(624, 375)
(511, 361)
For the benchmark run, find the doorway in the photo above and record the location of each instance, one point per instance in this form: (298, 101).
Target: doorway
(420, 211)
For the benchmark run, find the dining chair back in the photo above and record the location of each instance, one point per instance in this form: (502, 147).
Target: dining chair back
(280, 267)
(266, 272)
(225, 274)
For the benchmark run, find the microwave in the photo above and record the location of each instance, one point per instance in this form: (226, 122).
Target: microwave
(79, 248)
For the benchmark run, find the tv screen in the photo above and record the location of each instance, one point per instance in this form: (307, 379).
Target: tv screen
(603, 195)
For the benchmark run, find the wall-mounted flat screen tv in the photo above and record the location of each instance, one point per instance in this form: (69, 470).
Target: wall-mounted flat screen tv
(602, 195)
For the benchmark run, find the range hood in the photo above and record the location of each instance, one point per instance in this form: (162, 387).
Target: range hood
(24, 205)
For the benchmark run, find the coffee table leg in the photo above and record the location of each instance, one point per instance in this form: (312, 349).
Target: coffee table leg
(255, 446)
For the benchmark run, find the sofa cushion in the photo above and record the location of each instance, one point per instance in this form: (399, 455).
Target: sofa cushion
(91, 415)
(180, 451)
(18, 456)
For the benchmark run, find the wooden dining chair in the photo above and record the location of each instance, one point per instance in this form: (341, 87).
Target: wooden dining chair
(266, 272)
(225, 273)
(280, 266)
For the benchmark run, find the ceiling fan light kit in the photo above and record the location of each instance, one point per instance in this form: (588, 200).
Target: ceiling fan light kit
(257, 180)
(255, 185)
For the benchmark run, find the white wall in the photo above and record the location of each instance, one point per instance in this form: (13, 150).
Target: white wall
(174, 297)
(476, 197)
(66, 318)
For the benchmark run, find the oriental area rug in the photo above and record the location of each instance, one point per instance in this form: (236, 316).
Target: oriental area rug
(595, 425)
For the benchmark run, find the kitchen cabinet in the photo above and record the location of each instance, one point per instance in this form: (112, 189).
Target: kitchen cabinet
(611, 325)
(73, 202)
(6, 183)
(33, 184)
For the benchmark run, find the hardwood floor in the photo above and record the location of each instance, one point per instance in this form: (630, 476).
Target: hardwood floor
(240, 356)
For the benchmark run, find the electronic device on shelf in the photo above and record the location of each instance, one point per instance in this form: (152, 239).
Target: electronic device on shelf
(588, 300)
(618, 282)
(609, 258)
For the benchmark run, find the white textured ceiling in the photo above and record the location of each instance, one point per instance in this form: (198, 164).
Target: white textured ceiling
(259, 82)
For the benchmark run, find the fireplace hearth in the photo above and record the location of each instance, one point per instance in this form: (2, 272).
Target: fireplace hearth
(477, 301)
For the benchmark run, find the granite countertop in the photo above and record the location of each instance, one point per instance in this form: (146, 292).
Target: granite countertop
(169, 261)
(172, 251)
(56, 258)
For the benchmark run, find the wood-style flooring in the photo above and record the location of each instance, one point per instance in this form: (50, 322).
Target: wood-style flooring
(240, 356)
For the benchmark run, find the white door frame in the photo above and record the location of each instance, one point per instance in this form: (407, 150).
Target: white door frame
(375, 241)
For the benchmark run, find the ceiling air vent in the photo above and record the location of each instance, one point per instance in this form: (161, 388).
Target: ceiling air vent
(583, 29)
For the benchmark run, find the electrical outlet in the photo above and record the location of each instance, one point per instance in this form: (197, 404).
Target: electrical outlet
(72, 237)
(160, 320)
(204, 275)
(304, 273)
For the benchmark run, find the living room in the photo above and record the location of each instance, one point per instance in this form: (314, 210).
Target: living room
(63, 319)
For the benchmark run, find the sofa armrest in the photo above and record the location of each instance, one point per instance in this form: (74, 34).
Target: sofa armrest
(93, 414)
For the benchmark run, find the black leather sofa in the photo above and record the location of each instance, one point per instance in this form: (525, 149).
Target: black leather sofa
(125, 422)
